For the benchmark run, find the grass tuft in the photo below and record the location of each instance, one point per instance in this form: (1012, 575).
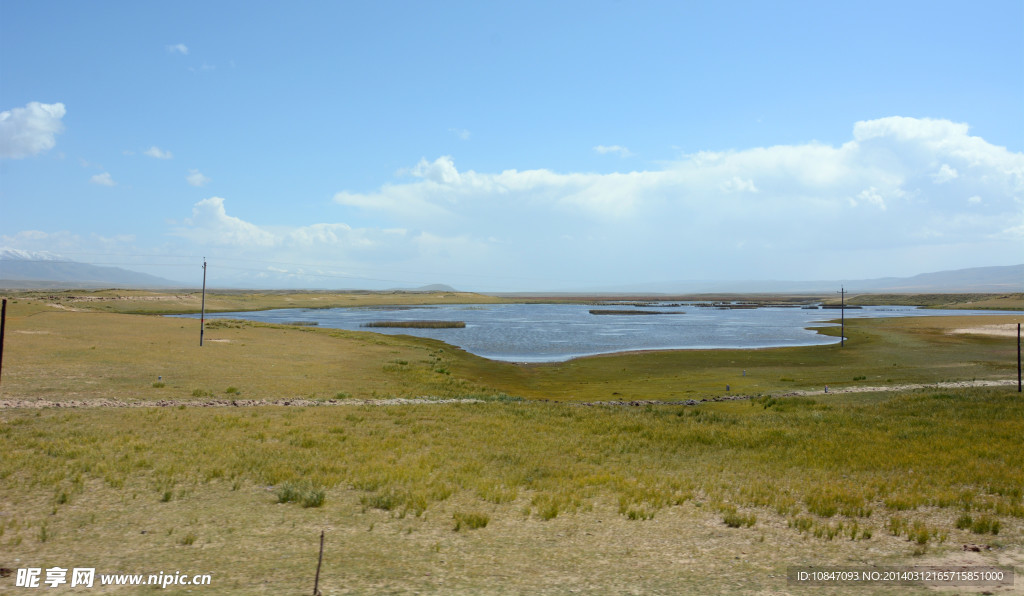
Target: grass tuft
(471, 521)
(301, 492)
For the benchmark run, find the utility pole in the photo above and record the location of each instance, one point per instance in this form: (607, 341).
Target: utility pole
(3, 324)
(842, 317)
(202, 315)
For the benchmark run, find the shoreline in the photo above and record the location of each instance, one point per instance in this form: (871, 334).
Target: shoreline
(816, 326)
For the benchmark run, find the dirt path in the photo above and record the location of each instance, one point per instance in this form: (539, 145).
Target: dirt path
(949, 385)
(9, 404)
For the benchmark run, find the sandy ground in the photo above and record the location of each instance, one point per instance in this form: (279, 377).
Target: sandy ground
(1006, 330)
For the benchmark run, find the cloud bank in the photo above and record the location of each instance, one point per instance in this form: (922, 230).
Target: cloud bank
(915, 194)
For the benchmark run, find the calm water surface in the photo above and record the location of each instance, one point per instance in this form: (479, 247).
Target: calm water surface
(558, 332)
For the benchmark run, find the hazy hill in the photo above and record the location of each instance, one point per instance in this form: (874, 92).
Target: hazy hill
(22, 269)
(979, 279)
(975, 280)
(26, 270)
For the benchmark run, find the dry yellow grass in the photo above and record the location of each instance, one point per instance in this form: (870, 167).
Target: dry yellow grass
(59, 355)
(596, 500)
(198, 490)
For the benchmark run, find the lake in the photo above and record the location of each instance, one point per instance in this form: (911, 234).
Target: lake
(559, 332)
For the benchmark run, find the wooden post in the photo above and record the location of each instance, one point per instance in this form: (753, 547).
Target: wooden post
(3, 324)
(316, 582)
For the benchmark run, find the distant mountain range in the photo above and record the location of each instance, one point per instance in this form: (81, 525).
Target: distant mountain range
(1008, 279)
(429, 288)
(41, 270)
(979, 279)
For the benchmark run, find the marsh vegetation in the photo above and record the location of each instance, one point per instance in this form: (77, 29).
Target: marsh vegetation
(417, 324)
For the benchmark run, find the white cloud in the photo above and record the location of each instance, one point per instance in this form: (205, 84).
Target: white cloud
(888, 187)
(462, 133)
(38, 240)
(737, 184)
(178, 48)
(158, 153)
(196, 178)
(902, 128)
(870, 196)
(210, 224)
(945, 174)
(103, 179)
(620, 150)
(30, 130)
(442, 170)
(974, 200)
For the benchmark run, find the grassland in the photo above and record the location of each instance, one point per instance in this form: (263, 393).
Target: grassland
(190, 301)
(945, 301)
(515, 493)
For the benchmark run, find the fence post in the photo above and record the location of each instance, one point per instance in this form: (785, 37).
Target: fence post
(316, 583)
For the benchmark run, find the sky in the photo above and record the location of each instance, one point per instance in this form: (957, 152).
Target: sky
(513, 146)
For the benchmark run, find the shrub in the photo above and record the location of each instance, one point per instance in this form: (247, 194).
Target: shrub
(985, 525)
(919, 533)
(300, 492)
(734, 519)
(472, 521)
(639, 513)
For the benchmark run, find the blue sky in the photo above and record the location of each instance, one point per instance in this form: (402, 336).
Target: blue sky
(513, 145)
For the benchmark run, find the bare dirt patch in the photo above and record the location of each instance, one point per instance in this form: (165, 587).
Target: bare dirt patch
(1006, 330)
(7, 404)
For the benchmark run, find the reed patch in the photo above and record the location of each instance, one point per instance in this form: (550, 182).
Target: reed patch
(417, 324)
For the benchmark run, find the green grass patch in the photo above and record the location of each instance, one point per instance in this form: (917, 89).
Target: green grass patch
(300, 492)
